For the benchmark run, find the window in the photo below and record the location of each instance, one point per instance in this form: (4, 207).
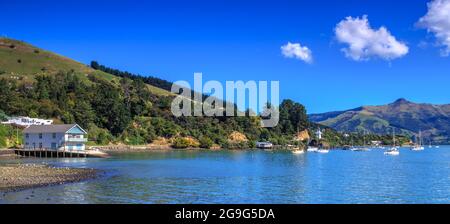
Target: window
(54, 135)
(26, 143)
(40, 145)
(27, 135)
(40, 135)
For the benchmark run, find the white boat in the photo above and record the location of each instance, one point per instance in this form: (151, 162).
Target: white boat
(393, 151)
(436, 147)
(360, 149)
(312, 149)
(264, 145)
(418, 147)
(298, 149)
(323, 151)
(298, 152)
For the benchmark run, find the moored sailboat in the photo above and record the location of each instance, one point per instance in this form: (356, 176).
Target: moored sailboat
(363, 148)
(393, 151)
(418, 146)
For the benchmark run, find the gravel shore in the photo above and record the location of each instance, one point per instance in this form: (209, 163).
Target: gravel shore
(7, 154)
(22, 176)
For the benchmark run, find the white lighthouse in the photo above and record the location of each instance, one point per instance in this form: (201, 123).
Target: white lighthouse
(319, 134)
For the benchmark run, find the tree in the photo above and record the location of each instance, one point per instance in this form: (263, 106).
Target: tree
(108, 105)
(206, 142)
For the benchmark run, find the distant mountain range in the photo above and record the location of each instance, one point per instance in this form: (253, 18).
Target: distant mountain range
(406, 117)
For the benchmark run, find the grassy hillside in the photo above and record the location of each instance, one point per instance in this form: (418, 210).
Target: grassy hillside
(23, 62)
(120, 107)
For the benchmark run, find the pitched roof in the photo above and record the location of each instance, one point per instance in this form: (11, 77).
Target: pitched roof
(59, 128)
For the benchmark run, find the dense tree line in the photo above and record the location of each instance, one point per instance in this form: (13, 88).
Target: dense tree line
(157, 82)
(126, 111)
(161, 83)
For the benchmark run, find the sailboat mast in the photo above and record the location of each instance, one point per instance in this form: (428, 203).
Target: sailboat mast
(393, 135)
(364, 138)
(420, 137)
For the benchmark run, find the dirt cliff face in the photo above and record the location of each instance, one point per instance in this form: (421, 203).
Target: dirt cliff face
(236, 137)
(192, 141)
(301, 136)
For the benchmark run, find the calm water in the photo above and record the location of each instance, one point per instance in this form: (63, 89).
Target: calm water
(255, 177)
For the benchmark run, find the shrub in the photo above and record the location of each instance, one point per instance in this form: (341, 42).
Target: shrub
(3, 116)
(251, 144)
(9, 136)
(180, 143)
(98, 135)
(206, 142)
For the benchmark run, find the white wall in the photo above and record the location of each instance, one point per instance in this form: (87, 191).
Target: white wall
(47, 140)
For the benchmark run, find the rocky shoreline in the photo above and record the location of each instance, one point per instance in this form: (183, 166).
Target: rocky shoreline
(17, 176)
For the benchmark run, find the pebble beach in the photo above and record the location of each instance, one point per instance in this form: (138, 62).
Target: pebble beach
(23, 176)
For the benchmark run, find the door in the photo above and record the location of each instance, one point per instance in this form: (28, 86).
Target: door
(53, 146)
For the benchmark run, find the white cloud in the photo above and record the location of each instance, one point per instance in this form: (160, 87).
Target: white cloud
(365, 43)
(437, 21)
(295, 50)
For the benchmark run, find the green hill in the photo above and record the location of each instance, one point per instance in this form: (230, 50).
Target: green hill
(118, 106)
(406, 117)
(23, 62)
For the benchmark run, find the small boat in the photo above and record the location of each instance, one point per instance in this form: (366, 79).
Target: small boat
(436, 147)
(418, 147)
(360, 149)
(392, 151)
(312, 149)
(323, 151)
(264, 145)
(298, 149)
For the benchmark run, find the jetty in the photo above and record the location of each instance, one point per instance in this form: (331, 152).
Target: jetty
(51, 153)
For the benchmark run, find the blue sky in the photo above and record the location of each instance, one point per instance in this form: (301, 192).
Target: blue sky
(231, 40)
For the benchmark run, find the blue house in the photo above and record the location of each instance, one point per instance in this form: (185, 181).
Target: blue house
(68, 137)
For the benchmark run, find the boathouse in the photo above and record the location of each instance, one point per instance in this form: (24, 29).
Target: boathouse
(67, 137)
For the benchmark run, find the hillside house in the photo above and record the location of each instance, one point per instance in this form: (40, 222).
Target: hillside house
(27, 121)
